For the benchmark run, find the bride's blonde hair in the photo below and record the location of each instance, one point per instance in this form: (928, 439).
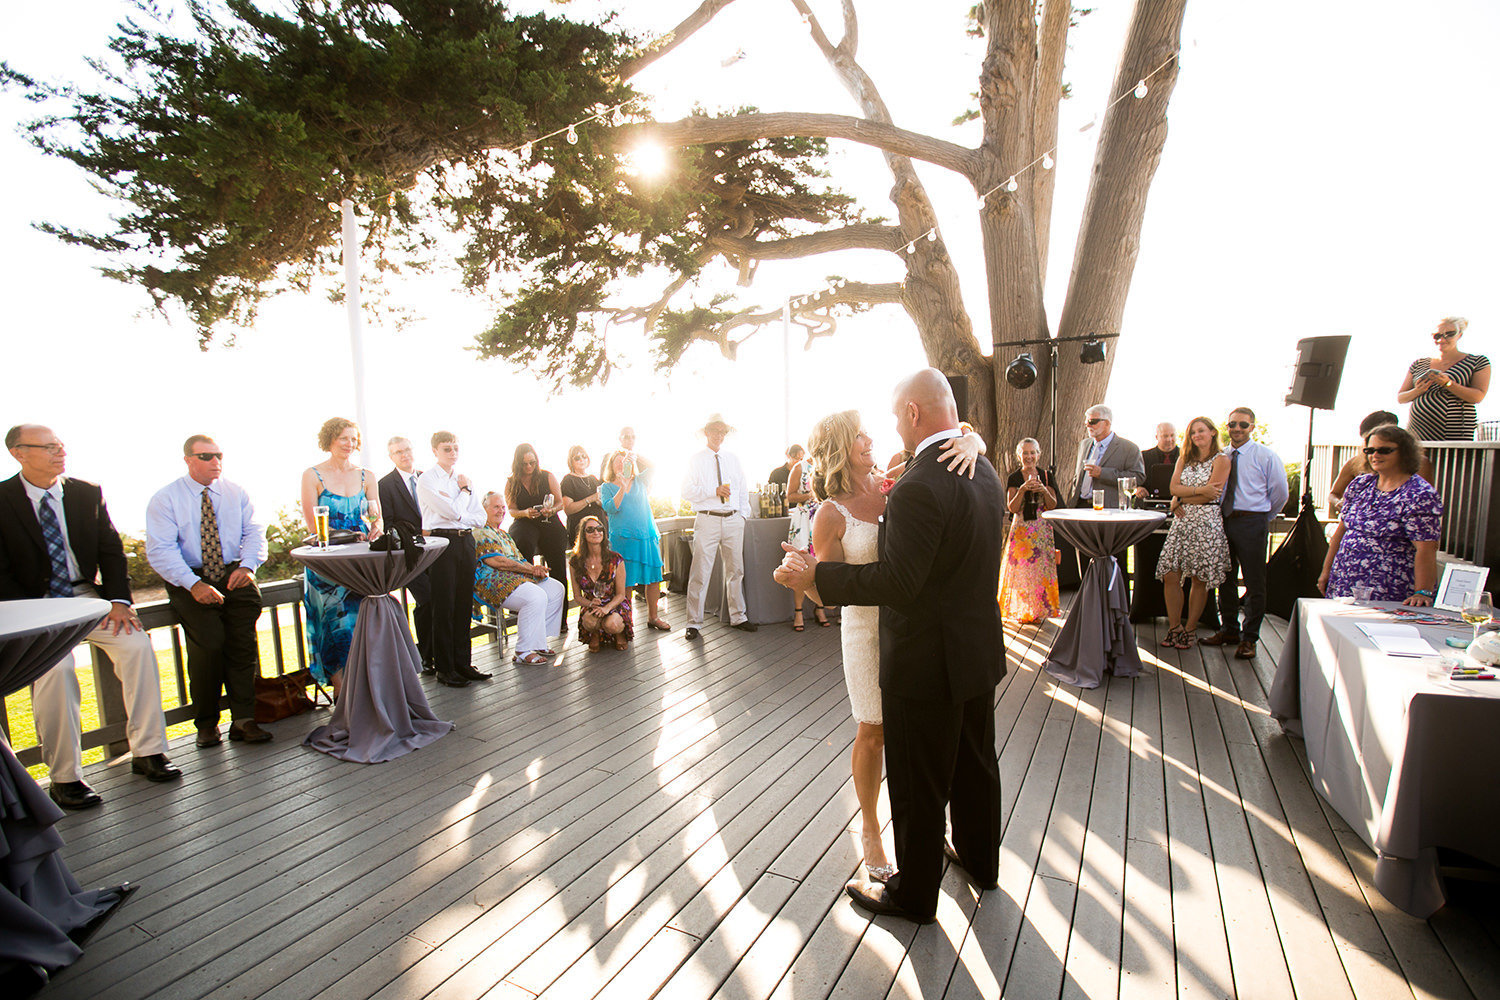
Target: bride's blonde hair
(829, 445)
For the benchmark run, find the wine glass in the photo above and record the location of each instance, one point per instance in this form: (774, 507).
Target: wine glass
(1477, 610)
(369, 511)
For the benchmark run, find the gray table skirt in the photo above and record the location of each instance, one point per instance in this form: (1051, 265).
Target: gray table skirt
(1097, 635)
(382, 712)
(1401, 758)
(40, 900)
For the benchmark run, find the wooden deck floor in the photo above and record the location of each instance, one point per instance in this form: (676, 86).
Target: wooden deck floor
(679, 821)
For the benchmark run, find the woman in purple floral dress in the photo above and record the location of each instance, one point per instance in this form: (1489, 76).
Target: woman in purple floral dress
(1387, 538)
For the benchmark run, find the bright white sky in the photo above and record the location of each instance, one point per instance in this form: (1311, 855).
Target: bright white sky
(1329, 170)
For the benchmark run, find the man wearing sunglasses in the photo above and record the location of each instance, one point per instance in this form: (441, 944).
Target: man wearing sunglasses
(56, 540)
(202, 538)
(1253, 495)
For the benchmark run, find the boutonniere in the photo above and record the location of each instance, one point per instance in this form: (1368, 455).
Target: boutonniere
(886, 486)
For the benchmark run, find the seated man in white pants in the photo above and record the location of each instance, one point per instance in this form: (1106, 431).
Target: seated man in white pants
(56, 540)
(716, 487)
(504, 579)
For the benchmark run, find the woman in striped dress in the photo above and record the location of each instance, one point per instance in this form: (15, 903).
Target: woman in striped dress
(1443, 390)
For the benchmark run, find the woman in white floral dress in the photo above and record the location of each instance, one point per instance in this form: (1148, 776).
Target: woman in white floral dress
(1196, 545)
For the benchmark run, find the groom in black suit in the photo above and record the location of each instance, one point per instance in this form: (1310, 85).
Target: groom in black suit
(941, 654)
(398, 502)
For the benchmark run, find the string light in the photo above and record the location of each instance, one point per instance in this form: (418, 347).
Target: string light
(526, 151)
(572, 136)
(1046, 161)
(390, 200)
(932, 236)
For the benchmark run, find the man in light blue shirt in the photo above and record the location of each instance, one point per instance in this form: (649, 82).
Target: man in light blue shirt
(203, 540)
(1253, 497)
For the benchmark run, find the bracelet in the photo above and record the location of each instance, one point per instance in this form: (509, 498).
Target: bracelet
(1421, 593)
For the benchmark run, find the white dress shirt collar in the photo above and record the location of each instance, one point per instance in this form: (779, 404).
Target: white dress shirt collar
(931, 439)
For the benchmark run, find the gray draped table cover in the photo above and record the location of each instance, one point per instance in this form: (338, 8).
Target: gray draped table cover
(1097, 635)
(40, 900)
(381, 712)
(1401, 757)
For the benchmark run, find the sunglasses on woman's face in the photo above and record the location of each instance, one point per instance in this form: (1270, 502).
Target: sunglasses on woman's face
(1383, 450)
(593, 529)
(1445, 335)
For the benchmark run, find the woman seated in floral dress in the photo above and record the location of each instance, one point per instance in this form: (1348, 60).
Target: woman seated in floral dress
(1196, 545)
(1388, 534)
(504, 579)
(599, 587)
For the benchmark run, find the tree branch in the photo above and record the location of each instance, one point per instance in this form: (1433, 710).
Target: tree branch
(776, 124)
(666, 43)
(864, 236)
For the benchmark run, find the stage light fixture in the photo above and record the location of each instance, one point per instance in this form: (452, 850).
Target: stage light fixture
(1021, 373)
(1092, 352)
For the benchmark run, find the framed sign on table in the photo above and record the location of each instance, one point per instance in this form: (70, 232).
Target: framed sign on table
(1459, 583)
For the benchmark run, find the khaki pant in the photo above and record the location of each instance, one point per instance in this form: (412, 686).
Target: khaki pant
(723, 537)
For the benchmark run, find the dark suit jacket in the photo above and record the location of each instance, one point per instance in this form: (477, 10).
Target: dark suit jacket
(1121, 458)
(1155, 456)
(396, 504)
(25, 567)
(940, 541)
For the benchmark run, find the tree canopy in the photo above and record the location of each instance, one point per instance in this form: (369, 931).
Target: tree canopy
(226, 132)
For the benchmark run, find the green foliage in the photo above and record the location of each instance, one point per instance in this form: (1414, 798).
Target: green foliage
(227, 140)
(670, 507)
(139, 571)
(282, 536)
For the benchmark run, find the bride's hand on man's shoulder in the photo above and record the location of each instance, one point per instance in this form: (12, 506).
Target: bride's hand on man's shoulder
(962, 453)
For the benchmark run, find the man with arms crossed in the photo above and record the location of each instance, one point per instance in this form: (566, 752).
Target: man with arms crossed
(451, 510)
(941, 654)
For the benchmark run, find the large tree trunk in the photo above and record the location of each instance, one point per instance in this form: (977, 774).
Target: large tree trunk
(1130, 146)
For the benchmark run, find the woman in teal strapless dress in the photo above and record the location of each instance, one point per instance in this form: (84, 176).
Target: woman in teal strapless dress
(330, 609)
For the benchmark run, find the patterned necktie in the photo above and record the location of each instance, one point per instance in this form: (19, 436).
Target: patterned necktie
(411, 481)
(59, 584)
(1227, 504)
(213, 549)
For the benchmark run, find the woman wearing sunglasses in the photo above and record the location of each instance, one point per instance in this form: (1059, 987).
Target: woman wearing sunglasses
(599, 587)
(1387, 539)
(1443, 390)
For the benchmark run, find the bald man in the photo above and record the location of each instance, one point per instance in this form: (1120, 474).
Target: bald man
(941, 654)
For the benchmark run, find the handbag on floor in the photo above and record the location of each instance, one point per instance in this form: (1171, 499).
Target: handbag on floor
(284, 696)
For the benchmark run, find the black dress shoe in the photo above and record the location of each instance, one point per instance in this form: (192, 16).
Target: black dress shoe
(156, 767)
(74, 795)
(469, 673)
(875, 899)
(448, 680)
(209, 737)
(690, 633)
(429, 670)
(746, 626)
(952, 855)
(248, 732)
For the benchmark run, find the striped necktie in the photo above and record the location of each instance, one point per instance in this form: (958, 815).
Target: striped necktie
(58, 584)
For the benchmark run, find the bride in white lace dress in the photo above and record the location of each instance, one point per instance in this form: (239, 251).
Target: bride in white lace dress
(847, 529)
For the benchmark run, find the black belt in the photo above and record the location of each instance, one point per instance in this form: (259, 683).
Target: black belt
(450, 532)
(719, 513)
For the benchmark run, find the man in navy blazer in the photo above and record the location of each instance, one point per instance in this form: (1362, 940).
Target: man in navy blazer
(941, 654)
(87, 560)
(398, 502)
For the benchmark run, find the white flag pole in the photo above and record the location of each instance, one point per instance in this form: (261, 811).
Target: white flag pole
(356, 331)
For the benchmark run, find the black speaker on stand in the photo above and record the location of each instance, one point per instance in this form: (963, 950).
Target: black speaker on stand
(1294, 568)
(960, 386)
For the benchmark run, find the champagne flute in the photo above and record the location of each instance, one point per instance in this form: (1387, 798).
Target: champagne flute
(1477, 610)
(320, 520)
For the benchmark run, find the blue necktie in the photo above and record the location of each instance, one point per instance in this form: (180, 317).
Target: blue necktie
(60, 585)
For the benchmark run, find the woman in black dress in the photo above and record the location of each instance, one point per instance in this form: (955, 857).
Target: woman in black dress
(580, 493)
(532, 495)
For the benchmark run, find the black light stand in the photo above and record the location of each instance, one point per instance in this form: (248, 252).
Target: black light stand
(1021, 373)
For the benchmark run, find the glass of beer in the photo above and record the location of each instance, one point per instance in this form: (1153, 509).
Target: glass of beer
(1098, 499)
(320, 519)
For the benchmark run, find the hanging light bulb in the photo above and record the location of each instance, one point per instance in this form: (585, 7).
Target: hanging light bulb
(1011, 184)
(616, 117)
(982, 205)
(390, 200)
(911, 247)
(526, 151)
(1140, 90)
(572, 136)
(333, 207)
(1047, 161)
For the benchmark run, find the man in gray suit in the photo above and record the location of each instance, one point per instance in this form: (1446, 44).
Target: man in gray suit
(1103, 457)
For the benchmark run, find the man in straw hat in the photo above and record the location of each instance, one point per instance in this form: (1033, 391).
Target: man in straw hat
(715, 486)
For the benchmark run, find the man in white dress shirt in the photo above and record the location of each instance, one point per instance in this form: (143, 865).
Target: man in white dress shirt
(451, 510)
(57, 540)
(716, 487)
(203, 540)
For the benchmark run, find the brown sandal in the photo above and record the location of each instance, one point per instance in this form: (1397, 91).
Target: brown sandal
(621, 642)
(1170, 639)
(1186, 638)
(593, 638)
